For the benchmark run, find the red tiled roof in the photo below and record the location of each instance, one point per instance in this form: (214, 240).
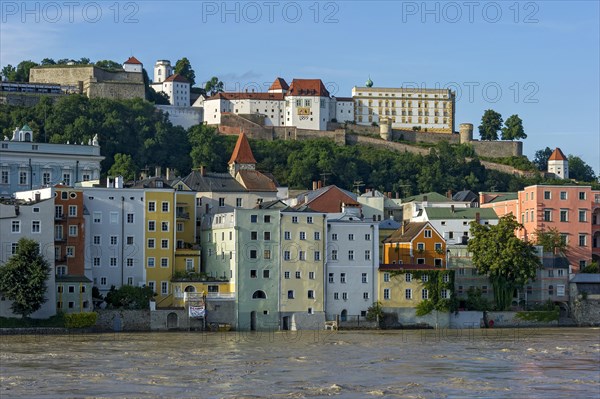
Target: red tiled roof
(132, 60)
(307, 87)
(246, 96)
(279, 84)
(242, 153)
(557, 155)
(177, 78)
(408, 233)
(330, 201)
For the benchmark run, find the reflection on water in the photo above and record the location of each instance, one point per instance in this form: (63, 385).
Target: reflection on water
(519, 363)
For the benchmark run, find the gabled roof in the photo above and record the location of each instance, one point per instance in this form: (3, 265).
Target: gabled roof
(152, 182)
(557, 155)
(389, 224)
(431, 197)
(132, 60)
(500, 197)
(279, 84)
(242, 153)
(253, 180)
(275, 204)
(213, 182)
(247, 96)
(434, 213)
(327, 199)
(411, 230)
(586, 278)
(307, 87)
(26, 128)
(465, 196)
(177, 78)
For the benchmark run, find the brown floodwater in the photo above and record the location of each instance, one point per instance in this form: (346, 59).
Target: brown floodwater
(501, 363)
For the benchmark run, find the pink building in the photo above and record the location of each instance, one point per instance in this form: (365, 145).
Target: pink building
(573, 210)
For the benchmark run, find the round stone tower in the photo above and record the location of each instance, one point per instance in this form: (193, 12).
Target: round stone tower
(385, 128)
(466, 132)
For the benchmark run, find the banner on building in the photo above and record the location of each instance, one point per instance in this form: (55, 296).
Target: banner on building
(197, 311)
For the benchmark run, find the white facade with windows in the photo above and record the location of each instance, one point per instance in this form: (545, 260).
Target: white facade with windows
(351, 266)
(115, 237)
(27, 165)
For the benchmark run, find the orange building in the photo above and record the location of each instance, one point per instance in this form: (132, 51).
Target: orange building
(415, 243)
(69, 232)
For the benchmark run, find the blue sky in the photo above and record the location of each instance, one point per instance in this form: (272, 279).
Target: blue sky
(538, 59)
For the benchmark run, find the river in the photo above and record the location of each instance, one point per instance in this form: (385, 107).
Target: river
(500, 363)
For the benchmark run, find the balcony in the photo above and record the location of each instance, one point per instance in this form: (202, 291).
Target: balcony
(59, 217)
(182, 215)
(59, 239)
(218, 295)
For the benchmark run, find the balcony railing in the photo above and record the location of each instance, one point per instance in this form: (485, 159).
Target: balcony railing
(183, 215)
(218, 295)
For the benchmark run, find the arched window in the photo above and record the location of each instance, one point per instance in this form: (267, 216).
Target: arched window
(259, 294)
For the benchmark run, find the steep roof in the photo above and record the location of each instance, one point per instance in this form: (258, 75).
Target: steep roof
(389, 224)
(328, 199)
(152, 182)
(177, 78)
(213, 182)
(431, 197)
(500, 197)
(411, 230)
(253, 180)
(279, 84)
(465, 196)
(460, 213)
(247, 96)
(307, 87)
(242, 153)
(132, 60)
(557, 155)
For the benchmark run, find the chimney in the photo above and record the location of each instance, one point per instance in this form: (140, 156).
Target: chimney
(168, 174)
(157, 171)
(37, 197)
(452, 208)
(449, 194)
(319, 184)
(202, 170)
(314, 185)
(118, 182)
(477, 217)
(373, 193)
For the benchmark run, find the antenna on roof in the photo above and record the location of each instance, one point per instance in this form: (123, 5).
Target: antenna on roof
(324, 177)
(357, 185)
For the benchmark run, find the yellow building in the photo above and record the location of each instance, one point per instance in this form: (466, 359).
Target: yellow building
(405, 286)
(416, 243)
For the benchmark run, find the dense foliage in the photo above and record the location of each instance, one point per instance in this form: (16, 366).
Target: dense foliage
(508, 261)
(129, 297)
(23, 278)
(80, 320)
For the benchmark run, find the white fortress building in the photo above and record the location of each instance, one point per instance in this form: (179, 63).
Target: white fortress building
(173, 85)
(305, 104)
(408, 108)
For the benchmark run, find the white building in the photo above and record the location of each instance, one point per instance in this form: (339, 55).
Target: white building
(133, 65)
(33, 220)
(115, 236)
(173, 85)
(162, 70)
(431, 109)
(351, 266)
(377, 207)
(27, 165)
(558, 164)
(344, 109)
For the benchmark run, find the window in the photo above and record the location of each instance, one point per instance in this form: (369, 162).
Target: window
(582, 240)
(336, 295)
(420, 246)
(331, 277)
(582, 216)
(129, 240)
(564, 238)
(102, 280)
(35, 226)
(164, 226)
(424, 294)
(114, 217)
(151, 206)
(364, 278)
(151, 243)
(286, 275)
(317, 235)
(165, 206)
(408, 293)
(294, 219)
(444, 293)
(550, 273)
(560, 273)
(367, 237)
(386, 277)
(386, 293)
(309, 219)
(345, 296)
(311, 275)
(72, 210)
(298, 274)
(343, 278)
(164, 287)
(4, 177)
(267, 254)
(253, 235)
(311, 294)
(238, 202)
(16, 226)
(563, 195)
(350, 255)
(564, 215)
(287, 235)
(253, 254)
(437, 262)
(113, 262)
(151, 225)
(286, 255)
(367, 254)
(334, 254)
(582, 264)
(22, 178)
(290, 294)
(96, 261)
(113, 240)
(151, 285)
(303, 235)
(267, 235)
(97, 217)
(582, 195)
(334, 237)
(164, 244)
(424, 278)
(267, 219)
(253, 218)
(350, 237)
(72, 230)
(550, 290)
(130, 218)
(547, 215)
(547, 195)
(253, 273)
(560, 290)
(407, 277)
(427, 233)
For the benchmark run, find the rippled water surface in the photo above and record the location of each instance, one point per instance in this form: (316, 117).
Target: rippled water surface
(523, 363)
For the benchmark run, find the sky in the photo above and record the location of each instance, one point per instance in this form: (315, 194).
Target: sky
(537, 59)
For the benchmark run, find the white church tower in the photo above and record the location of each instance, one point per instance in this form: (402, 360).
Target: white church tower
(162, 70)
(558, 164)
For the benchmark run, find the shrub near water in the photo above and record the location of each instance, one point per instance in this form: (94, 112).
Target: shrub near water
(80, 320)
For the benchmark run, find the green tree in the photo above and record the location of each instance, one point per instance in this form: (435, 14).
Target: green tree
(207, 148)
(375, 312)
(491, 123)
(123, 166)
(513, 129)
(129, 297)
(213, 86)
(184, 68)
(508, 261)
(48, 61)
(579, 170)
(23, 278)
(108, 64)
(9, 73)
(540, 159)
(551, 240)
